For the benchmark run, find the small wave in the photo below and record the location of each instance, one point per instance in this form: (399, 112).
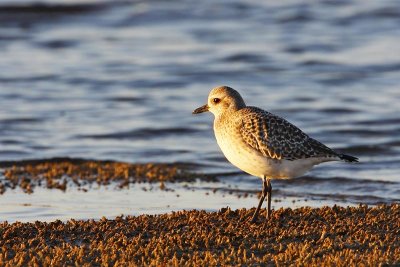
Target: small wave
(368, 150)
(381, 68)
(298, 17)
(299, 49)
(304, 99)
(346, 70)
(21, 120)
(342, 78)
(58, 44)
(51, 8)
(10, 142)
(157, 83)
(32, 13)
(319, 63)
(127, 99)
(392, 143)
(338, 110)
(380, 121)
(245, 57)
(353, 190)
(346, 198)
(368, 132)
(141, 133)
(381, 13)
(28, 78)
(307, 180)
(10, 153)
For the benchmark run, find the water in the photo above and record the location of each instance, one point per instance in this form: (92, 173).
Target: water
(118, 80)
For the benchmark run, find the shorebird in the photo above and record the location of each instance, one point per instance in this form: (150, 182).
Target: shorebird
(263, 144)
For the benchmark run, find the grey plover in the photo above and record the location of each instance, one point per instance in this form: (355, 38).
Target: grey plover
(261, 143)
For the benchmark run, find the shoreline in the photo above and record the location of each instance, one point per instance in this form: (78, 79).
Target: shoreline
(57, 173)
(303, 236)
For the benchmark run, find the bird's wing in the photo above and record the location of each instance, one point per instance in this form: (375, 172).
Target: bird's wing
(277, 138)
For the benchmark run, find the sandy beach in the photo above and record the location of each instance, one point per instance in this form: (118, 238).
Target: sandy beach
(304, 236)
(324, 236)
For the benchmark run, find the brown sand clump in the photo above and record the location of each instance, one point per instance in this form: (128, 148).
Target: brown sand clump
(352, 236)
(56, 173)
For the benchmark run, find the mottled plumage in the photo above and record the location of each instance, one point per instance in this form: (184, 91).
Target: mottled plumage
(277, 138)
(261, 143)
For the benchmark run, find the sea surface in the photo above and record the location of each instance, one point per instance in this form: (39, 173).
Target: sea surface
(118, 80)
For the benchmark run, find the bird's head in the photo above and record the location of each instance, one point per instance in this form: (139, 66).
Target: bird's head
(222, 99)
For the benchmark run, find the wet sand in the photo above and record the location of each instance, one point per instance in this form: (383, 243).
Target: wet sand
(334, 236)
(57, 173)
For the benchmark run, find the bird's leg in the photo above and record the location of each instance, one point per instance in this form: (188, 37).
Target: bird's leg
(263, 195)
(269, 196)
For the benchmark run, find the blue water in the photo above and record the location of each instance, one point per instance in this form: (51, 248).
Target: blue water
(118, 80)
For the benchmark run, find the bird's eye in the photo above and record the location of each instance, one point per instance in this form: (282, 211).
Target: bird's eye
(216, 100)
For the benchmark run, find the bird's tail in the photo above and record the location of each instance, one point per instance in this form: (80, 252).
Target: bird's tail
(348, 158)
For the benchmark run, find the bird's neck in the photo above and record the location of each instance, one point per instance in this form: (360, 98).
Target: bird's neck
(228, 114)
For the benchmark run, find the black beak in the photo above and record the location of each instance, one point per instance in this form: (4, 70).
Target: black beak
(200, 109)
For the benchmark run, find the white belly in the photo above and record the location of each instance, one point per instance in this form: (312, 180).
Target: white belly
(253, 162)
